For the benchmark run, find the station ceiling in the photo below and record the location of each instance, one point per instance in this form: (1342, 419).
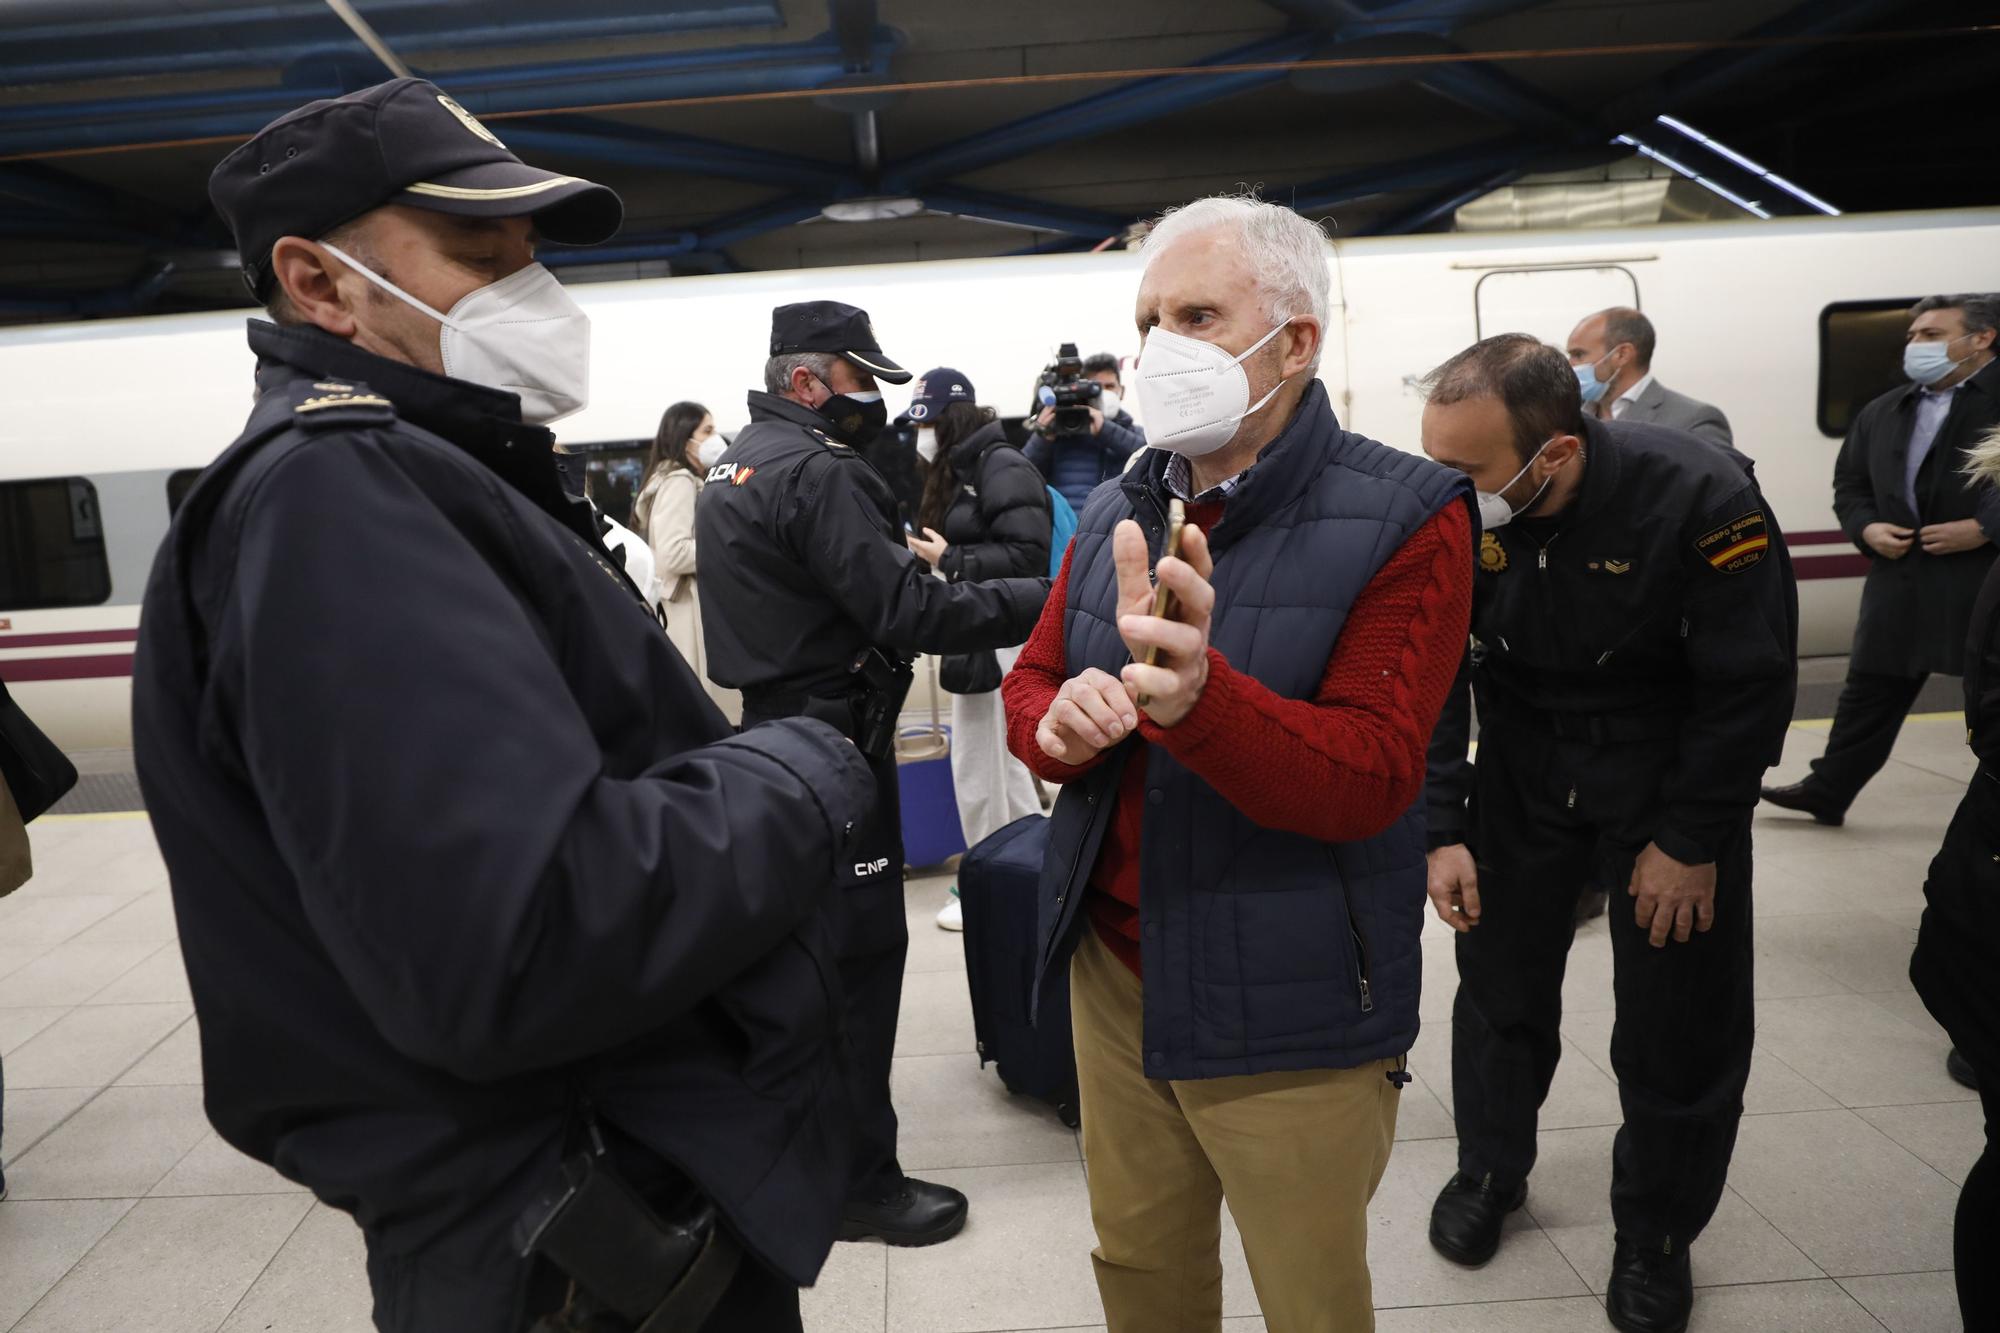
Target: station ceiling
(732, 127)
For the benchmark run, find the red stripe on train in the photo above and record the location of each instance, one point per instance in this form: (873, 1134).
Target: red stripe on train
(65, 640)
(98, 666)
(90, 667)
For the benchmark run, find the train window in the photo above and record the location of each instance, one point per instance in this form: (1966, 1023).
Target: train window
(178, 485)
(1860, 357)
(51, 545)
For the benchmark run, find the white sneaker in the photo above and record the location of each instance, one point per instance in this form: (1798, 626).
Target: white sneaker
(952, 917)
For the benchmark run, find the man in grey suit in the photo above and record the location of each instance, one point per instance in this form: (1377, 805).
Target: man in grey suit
(1612, 351)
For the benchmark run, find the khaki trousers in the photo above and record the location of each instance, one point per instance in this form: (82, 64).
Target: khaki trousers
(1297, 1156)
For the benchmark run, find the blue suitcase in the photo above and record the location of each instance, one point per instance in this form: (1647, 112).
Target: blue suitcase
(997, 884)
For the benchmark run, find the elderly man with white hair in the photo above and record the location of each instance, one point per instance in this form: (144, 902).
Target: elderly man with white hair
(1235, 877)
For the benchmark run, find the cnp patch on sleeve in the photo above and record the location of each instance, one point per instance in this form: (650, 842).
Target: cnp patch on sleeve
(1737, 545)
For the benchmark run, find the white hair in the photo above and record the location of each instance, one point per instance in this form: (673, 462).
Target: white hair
(1982, 460)
(1284, 250)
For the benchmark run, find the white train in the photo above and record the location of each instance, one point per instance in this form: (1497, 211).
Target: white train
(1787, 325)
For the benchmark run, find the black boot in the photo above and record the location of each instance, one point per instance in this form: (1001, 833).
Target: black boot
(1955, 1064)
(1468, 1215)
(1652, 1290)
(916, 1212)
(1807, 799)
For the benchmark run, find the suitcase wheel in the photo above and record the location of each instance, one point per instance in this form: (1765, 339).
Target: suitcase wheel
(1068, 1115)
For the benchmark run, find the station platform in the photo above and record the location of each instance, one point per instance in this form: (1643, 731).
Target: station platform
(127, 1215)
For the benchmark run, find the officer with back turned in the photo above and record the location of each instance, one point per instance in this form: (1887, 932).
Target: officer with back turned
(812, 605)
(1633, 631)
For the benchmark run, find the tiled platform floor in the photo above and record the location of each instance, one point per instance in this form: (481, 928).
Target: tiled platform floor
(128, 1216)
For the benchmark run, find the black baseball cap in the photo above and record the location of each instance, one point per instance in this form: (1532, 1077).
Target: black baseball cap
(938, 389)
(829, 326)
(400, 142)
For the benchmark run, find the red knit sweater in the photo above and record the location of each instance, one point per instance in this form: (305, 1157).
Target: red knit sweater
(1340, 766)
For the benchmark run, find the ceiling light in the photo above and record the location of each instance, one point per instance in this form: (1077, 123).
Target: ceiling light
(873, 208)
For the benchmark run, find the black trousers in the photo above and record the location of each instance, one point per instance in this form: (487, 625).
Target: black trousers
(412, 1296)
(1550, 817)
(1865, 724)
(1953, 969)
(874, 942)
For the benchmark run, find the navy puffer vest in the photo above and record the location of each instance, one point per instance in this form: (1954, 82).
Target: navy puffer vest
(1263, 950)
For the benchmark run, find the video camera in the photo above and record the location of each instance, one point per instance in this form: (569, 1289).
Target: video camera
(1064, 388)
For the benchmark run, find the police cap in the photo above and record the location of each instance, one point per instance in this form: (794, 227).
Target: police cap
(829, 326)
(400, 142)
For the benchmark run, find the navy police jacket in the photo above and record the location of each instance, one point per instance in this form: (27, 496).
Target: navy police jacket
(456, 839)
(804, 567)
(1656, 612)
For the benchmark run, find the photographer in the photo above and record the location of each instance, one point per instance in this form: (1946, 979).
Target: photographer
(1085, 437)
(984, 515)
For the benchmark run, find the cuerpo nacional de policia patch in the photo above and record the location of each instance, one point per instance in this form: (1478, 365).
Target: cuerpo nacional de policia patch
(1737, 545)
(1492, 556)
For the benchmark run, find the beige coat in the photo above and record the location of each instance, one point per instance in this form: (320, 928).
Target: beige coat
(666, 505)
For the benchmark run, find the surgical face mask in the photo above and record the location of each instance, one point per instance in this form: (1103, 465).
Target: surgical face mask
(709, 452)
(854, 418)
(1494, 509)
(522, 335)
(1586, 380)
(1108, 404)
(1194, 393)
(1928, 362)
(927, 443)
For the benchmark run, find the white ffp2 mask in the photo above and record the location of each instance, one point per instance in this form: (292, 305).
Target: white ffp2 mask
(1194, 393)
(522, 335)
(709, 452)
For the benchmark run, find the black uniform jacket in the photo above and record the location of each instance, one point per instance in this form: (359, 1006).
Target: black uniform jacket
(1661, 609)
(804, 566)
(455, 835)
(1914, 610)
(999, 522)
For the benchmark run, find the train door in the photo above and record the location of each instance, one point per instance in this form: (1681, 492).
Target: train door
(1547, 301)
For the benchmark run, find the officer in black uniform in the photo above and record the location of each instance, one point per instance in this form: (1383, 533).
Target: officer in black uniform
(812, 604)
(1633, 636)
(501, 940)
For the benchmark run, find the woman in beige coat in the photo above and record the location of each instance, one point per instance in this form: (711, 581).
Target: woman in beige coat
(684, 449)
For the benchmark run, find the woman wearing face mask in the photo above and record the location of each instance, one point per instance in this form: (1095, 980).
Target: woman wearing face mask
(984, 515)
(685, 448)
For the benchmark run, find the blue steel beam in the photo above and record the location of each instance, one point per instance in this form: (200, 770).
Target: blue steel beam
(1378, 16)
(715, 236)
(1132, 103)
(625, 145)
(1010, 211)
(1434, 171)
(29, 128)
(162, 41)
(1704, 74)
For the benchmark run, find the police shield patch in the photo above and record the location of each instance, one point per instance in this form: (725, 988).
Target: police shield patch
(1492, 555)
(1737, 545)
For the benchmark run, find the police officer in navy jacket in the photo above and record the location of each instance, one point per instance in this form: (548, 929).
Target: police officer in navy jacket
(480, 897)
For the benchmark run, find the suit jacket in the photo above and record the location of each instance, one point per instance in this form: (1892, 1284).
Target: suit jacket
(1915, 610)
(1661, 406)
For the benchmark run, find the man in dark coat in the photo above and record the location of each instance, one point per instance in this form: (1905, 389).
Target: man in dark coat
(479, 895)
(1903, 497)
